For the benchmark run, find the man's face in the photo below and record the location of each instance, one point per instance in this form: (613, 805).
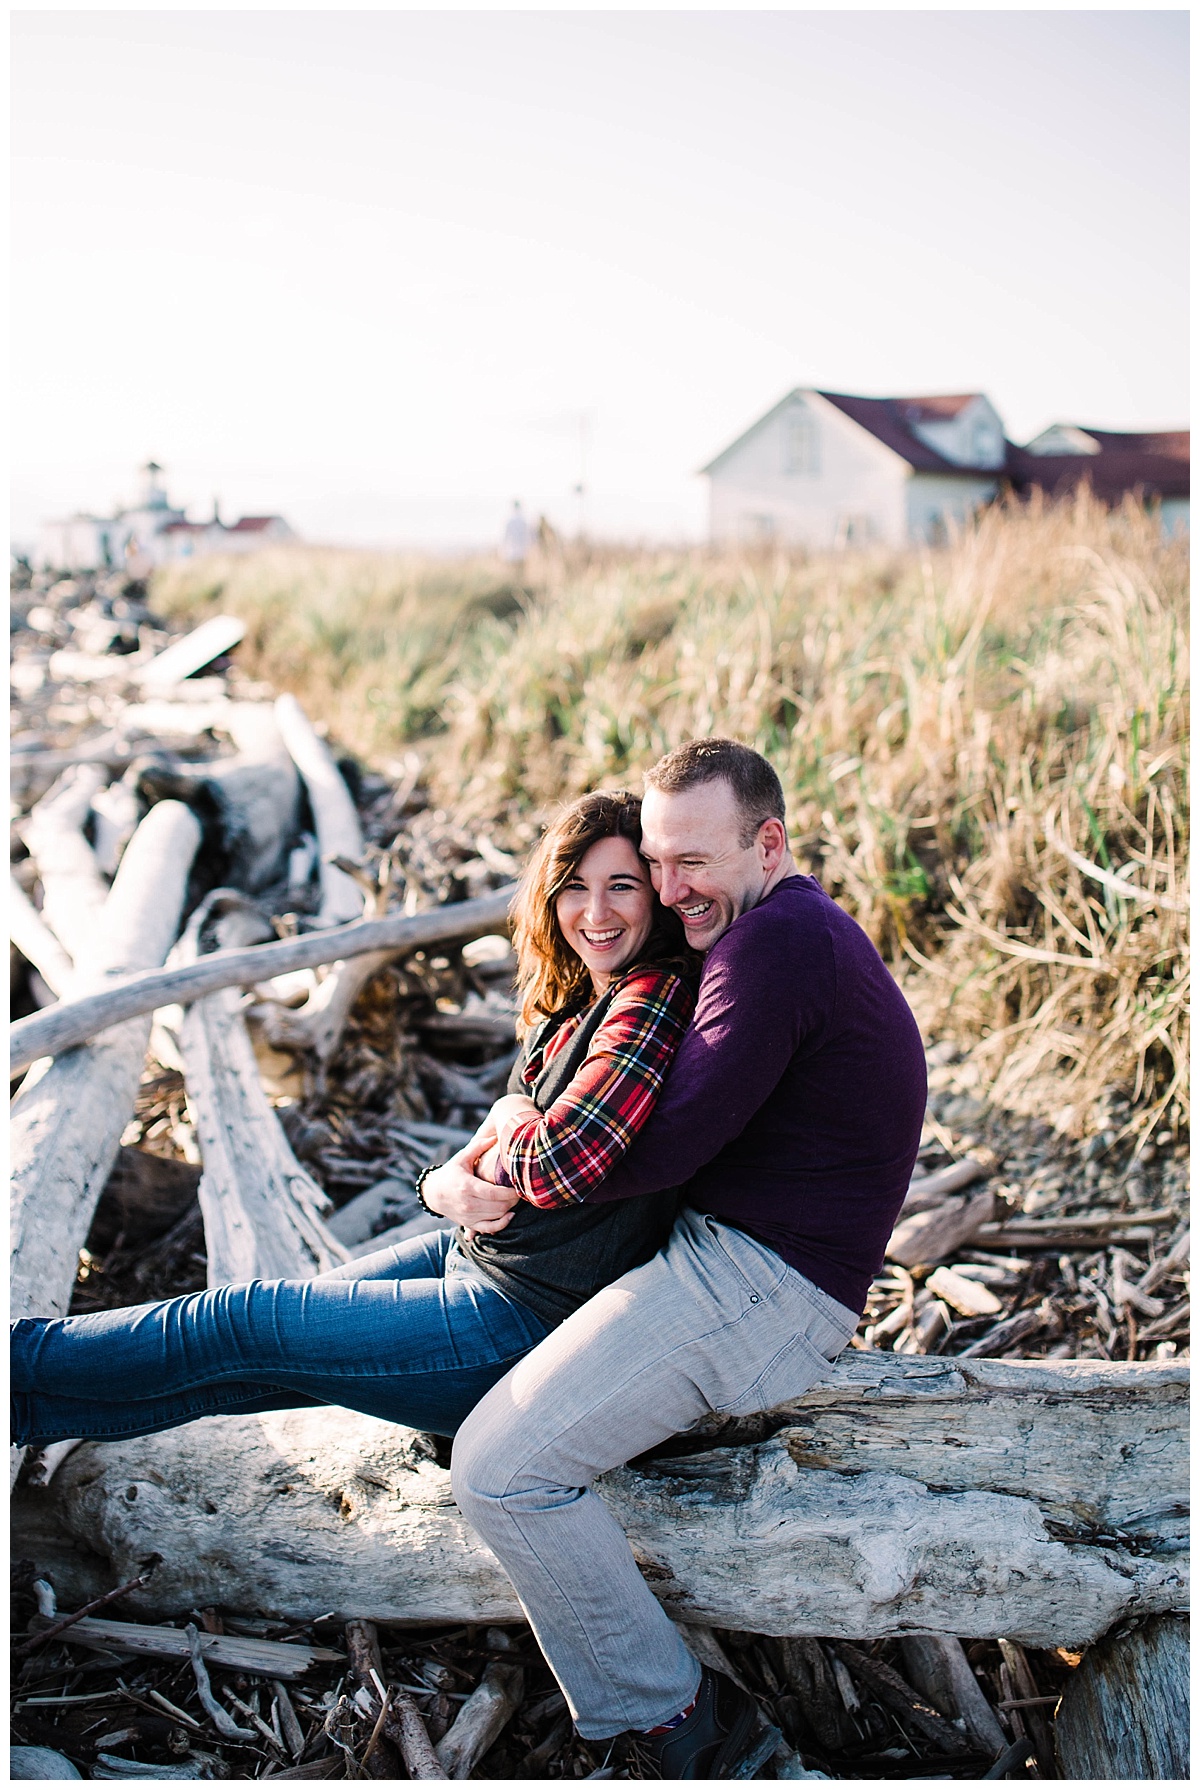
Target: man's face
(692, 842)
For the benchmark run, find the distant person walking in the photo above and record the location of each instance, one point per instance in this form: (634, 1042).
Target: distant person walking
(518, 537)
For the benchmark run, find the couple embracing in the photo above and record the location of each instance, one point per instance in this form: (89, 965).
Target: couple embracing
(677, 1208)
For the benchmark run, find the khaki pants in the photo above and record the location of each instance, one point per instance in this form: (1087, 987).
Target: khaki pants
(715, 1322)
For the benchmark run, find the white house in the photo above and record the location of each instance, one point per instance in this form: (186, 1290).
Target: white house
(150, 533)
(823, 469)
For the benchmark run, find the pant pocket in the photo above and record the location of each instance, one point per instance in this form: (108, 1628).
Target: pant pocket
(794, 1368)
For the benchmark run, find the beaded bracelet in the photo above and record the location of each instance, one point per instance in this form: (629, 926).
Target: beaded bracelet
(419, 1188)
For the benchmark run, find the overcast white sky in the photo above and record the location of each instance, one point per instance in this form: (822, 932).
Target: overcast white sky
(370, 269)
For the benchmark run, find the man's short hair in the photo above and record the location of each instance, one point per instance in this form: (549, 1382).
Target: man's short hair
(756, 788)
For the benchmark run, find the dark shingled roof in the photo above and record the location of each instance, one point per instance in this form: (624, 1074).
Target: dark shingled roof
(1157, 465)
(890, 420)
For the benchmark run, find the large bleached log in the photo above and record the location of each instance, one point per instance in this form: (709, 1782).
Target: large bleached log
(73, 890)
(1125, 1710)
(72, 1022)
(955, 1524)
(67, 1121)
(335, 817)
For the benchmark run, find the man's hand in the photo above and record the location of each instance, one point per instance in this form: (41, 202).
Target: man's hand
(506, 1114)
(456, 1192)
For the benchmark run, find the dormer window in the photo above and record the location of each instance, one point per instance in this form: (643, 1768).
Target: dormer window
(801, 448)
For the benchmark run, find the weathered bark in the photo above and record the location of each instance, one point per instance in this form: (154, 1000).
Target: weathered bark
(339, 834)
(1125, 1711)
(262, 1211)
(67, 1122)
(901, 1496)
(73, 890)
(73, 1022)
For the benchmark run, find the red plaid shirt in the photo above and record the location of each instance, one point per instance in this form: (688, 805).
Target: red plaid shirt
(554, 1160)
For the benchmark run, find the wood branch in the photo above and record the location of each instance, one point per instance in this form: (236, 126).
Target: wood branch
(927, 1191)
(933, 1235)
(1036, 1725)
(888, 1685)
(335, 817)
(482, 1719)
(35, 941)
(900, 1494)
(219, 634)
(318, 1025)
(406, 1730)
(1124, 1713)
(235, 1653)
(67, 1121)
(73, 890)
(262, 1211)
(73, 1022)
(939, 1668)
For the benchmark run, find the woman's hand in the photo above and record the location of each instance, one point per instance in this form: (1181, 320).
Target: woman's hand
(455, 1192)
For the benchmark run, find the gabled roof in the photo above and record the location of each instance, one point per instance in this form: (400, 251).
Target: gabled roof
(252, 524)
(1157, 464)
(889, 420)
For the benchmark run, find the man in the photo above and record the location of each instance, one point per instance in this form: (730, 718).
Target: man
(791, 1120)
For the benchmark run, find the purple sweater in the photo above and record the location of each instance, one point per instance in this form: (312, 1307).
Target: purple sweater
(794, 1106)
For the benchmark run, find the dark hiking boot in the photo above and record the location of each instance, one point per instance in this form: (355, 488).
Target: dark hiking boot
(723, 1737)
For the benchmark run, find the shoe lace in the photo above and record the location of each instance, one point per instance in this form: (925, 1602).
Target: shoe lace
(640, 1759)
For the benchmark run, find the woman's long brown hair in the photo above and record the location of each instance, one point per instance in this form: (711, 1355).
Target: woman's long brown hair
(550, 976)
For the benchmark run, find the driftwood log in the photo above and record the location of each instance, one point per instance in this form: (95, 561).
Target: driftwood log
(339, 832)
(1125, 1712)
(36, 943)
(73, 890)
(252, 797)
(901, 1495)
(74, 1022)
(262, 1211)
(67, 1121)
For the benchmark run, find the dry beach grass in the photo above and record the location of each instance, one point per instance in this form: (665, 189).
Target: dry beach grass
(983, 746)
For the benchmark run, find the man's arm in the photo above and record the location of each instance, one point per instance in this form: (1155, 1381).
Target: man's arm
(747, 1027)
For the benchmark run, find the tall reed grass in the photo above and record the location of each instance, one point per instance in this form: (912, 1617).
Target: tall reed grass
(983, 746)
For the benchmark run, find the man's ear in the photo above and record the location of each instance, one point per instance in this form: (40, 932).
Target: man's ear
(772, 844)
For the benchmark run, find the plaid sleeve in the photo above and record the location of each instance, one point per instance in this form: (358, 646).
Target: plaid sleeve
(554, 1160)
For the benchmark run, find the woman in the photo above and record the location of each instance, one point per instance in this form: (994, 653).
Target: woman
(418, 1333)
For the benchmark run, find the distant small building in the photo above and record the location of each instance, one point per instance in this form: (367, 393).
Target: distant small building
(1155, 467)
(825, 469)
(151, 533)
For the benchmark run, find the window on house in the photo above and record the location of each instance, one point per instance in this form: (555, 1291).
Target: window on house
(801, 454)
(757, 529)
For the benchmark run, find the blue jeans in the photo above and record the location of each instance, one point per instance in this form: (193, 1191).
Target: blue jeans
(413, 1334)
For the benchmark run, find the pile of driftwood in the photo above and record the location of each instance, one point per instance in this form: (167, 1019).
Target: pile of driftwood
(334, 1011)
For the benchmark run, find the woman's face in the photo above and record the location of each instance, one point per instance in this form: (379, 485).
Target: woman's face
(607, 908)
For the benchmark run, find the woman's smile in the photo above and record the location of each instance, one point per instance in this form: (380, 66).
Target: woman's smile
(606, 909)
